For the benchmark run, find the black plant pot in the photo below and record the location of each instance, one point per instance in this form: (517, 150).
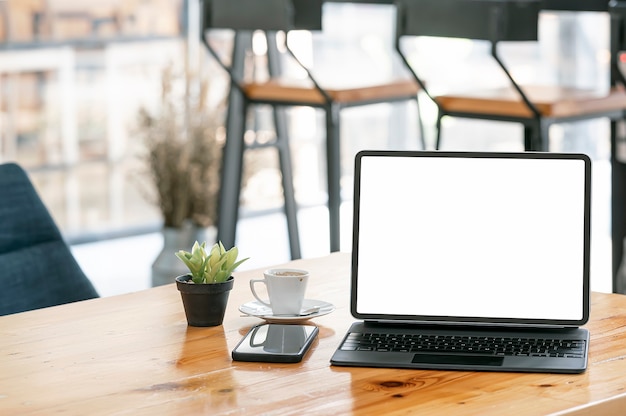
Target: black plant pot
(205, 304)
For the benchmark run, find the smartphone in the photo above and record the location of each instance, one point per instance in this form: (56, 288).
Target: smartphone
(275, 343)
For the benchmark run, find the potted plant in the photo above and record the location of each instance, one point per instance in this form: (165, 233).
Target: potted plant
(182, 138)
(205, 289)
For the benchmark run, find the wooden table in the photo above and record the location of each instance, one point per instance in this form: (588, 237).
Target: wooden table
(134, 354)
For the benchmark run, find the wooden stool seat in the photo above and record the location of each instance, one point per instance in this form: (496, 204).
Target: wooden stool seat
(551, 101)
(305, 93)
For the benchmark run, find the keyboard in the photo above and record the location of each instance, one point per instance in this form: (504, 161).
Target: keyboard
(494, 346)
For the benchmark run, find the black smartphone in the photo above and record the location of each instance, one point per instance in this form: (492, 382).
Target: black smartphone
(275, 343)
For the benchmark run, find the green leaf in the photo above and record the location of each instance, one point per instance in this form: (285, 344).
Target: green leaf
(221, 276)
(231, 256)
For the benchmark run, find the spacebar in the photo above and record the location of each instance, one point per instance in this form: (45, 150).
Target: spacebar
(457, 359)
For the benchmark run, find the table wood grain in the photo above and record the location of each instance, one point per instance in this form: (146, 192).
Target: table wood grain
(134, 354)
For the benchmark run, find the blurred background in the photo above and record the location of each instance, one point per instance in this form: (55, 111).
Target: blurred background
(74, 75)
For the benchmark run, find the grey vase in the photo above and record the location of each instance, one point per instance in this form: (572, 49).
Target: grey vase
(167, 266)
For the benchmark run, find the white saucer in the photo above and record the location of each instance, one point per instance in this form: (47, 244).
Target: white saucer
(256, 308)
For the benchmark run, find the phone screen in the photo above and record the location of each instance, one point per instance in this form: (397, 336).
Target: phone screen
(275, 343)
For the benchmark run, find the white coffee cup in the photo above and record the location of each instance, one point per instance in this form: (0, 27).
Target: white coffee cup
(285, 288)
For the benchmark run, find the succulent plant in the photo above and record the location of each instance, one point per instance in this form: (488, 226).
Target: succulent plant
(215, 266)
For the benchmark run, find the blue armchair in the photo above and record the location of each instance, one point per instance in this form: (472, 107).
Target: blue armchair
(37, 268)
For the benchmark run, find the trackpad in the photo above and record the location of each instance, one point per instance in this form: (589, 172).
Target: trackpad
(456, 359)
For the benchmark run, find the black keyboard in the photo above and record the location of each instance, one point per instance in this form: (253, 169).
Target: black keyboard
(494, 346)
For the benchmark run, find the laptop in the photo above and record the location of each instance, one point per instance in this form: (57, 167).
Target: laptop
(470, 261)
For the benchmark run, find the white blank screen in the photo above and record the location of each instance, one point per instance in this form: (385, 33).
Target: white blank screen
(471, 237)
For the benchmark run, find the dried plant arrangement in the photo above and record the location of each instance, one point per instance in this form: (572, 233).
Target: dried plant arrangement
(183, 142)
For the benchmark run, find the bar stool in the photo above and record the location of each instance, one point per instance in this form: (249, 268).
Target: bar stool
(617, 11)
(535, 107)
(272, 16)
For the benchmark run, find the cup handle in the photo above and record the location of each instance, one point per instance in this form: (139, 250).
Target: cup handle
(252, 282)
